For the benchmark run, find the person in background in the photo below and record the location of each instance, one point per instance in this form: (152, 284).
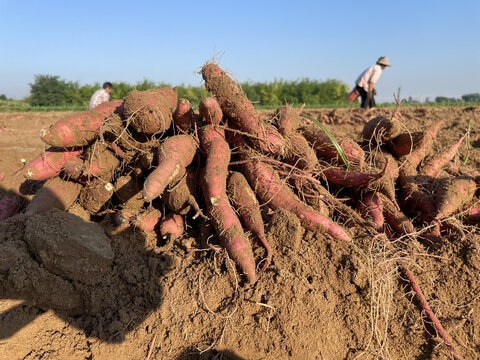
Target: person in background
(101, 96)
(365, 83)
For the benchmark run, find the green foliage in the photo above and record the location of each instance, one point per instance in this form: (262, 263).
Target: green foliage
(3, 97)
(471, 97)
(48, 90)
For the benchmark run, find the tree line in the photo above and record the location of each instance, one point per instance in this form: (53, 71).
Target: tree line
(50, 90)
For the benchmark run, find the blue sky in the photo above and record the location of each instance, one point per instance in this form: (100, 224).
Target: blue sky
(432, 45)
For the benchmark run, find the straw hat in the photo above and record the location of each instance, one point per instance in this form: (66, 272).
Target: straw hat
(383, 60)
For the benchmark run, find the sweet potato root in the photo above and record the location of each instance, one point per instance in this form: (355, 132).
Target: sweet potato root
(181, 197)
(379, 130)
(49, 163)
(246, 204)
(183, 115)
(148, 220)
(55, 193)
(452, 194)
(79, 129)
(210, 111)
(371, 206)
(174, 155)
(350, 178)
(271, 190)
(150, 111)
(223, 217)
(95, 195)
(171, 227)
(287, 119)
(434, 164)
(299, 153)
(405, 143)
(235, 104)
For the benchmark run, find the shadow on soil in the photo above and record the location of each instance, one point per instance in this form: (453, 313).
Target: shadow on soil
(104, 296)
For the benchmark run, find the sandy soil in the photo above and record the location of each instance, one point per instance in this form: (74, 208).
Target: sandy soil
(320, 299)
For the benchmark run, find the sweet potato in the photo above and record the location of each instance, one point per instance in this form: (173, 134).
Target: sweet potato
(49, 163)
(246, 204)
(371, 206)
(350, 178)
(95, 195)
(148, 220)
(79, 129)
(181, 197)
(99, 162)
(150, 111)
(128, 191)
(210, 111)
(395, 218)
(422, 150)
(223, 217)
(416, 190)
(171, 227)
(73, 168)
(299, 153)
(326, 150)
(55, 193)
(405, 143)
(452, 194)
(124, 217)
(287, 119)
(379, 130)
(183, 115)
(174, 155)
(432, 165)
(271, 190)
(235, 105)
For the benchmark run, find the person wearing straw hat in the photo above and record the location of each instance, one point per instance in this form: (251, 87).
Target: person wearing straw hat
(365, 83)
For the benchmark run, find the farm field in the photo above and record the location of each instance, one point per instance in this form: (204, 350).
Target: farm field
(320, 298)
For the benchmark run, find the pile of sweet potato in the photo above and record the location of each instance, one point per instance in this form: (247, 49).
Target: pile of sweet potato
(153, 163)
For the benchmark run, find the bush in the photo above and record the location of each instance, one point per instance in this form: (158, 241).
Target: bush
(48, 90)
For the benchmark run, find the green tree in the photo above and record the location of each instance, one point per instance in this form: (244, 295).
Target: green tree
(471, 97)
(3, 97)
(48, 90)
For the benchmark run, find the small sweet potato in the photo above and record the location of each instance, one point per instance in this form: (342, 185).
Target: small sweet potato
(172, 227)
(55, 193)
(95, 195)
(210, 111)
(379, 130)
(183, 115)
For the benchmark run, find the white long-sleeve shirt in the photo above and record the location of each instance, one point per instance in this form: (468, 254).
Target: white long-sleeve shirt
(100, 96)
(369, 76)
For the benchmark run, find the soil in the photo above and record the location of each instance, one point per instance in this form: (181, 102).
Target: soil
(319, 298)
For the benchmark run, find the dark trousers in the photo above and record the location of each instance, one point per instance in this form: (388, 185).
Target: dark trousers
(365, 102)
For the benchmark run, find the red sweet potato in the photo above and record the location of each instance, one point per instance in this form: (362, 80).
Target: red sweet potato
(299, 153)
(405, 143)
(181, 197)
(246, 204)
(379, 130)
(271, 190)
(100, 162)
(55, 193)
(423, 149)
(326, 150)
(49, 163)
(396, 219)
(172, 226)
(124, 217)
(174, 155)
(73, 168)
(210, 111)
(435, 163)
(235, 104)
(95, 195)
(371, 206)
(148, 220)
(452, 194)
(416, 191)
(150, 111)
(128, 191)
(183, 115)
(287, 119)
(81, 128)
(350, 178)
(223, 217)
